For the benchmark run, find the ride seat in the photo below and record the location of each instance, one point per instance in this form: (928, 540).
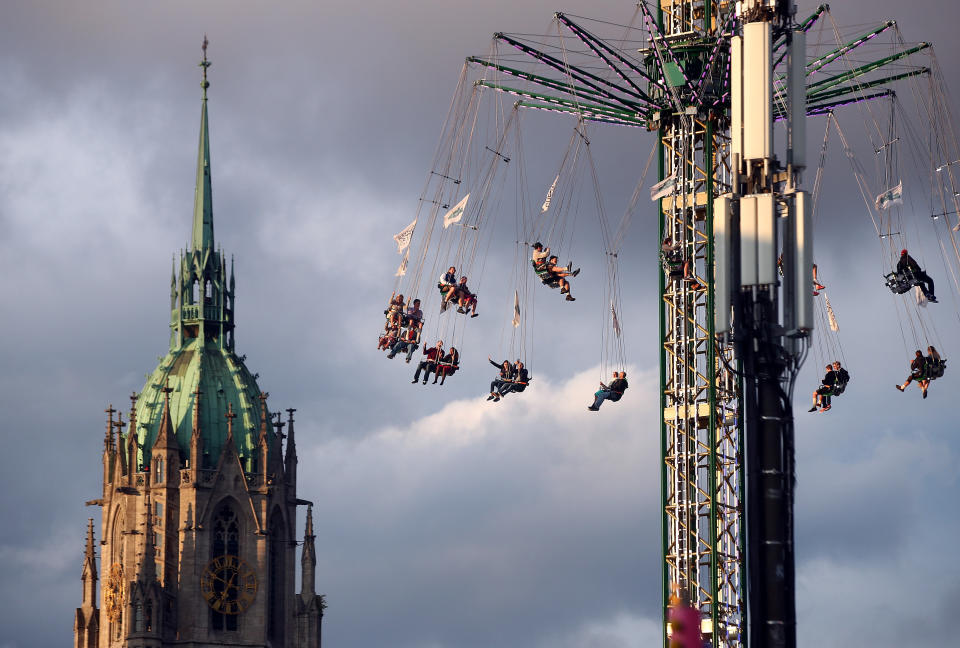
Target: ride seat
(672, 264)
(936, 368)
(900, 282)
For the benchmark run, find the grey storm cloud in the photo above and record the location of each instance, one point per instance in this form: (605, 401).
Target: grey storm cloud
(442, 522)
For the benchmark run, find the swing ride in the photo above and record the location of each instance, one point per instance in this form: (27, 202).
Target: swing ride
(728, 88)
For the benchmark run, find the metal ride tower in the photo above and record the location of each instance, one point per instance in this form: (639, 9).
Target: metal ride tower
(732, 333)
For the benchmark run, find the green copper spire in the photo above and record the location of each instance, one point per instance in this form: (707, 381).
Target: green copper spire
(203, 198)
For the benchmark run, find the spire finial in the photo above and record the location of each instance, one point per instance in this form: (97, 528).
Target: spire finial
(108, 439)
(263, 412)
(204, 64)
(90, 551)
(202, 238)
(230, 416)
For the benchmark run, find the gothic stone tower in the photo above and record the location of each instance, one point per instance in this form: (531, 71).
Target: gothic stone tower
(199, 495)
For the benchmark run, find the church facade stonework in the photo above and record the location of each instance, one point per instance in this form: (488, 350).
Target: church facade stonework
(198, 531)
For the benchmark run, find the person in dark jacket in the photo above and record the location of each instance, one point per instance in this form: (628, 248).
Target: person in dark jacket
(907, 264)
(503, 377)
(434, 354)
(843, 377)
(821, 395)
(918, 368)
(612, 392)
(519, 381)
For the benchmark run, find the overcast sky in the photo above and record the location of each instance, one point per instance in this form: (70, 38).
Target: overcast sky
(442, 521)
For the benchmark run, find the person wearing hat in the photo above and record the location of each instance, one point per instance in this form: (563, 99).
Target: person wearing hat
(907, 265)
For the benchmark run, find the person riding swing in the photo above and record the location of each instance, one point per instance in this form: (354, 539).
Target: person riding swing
(612, 392)
(548, 270)
(821, 395)
(675, 264)
(918, 372)
(909, 274)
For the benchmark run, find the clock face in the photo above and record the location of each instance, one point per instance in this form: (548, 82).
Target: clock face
(228, 584)
(113, 592)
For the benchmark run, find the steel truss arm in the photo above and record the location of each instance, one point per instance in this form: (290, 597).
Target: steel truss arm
(858, 87)
(837, 79)
(596, 45)
(585, 114)
(833, 55)
(568, 88)
(574, 106)
(822, 109)
(812, 18)
(574, 72)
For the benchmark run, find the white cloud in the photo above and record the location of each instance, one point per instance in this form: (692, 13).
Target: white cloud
(486, 510)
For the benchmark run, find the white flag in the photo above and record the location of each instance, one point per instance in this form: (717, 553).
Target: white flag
(402, 270)
(516, 309)
(546, 203)
(921, 298)
(663, 188)
(830, 316)
(403, 238)
(616, 322)
(890, 197)
(455, 214)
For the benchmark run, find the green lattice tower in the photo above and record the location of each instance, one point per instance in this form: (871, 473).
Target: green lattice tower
(700, 438)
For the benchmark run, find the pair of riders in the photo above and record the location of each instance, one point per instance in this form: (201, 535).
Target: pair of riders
(924, 369)
(408, 341)
(451, 290)
(442, 365)
(612, 392)
(398, 316)
(834, 383)
(547, 268)
(512, 378)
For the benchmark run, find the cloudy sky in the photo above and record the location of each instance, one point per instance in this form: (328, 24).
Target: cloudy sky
(442, 521)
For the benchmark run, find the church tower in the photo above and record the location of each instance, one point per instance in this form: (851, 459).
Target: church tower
(198, 531)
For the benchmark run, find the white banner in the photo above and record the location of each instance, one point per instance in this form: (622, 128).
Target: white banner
(663, 188)
(402, 270)
(455, 214)
(403, 238)
(890, 197)
(830, 316)
(546, 203)
(516, 309)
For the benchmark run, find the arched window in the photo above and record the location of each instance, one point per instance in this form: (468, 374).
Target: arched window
(148, 615)
(158, 471)
(208, 291)
(195, 294)
(225, 541)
